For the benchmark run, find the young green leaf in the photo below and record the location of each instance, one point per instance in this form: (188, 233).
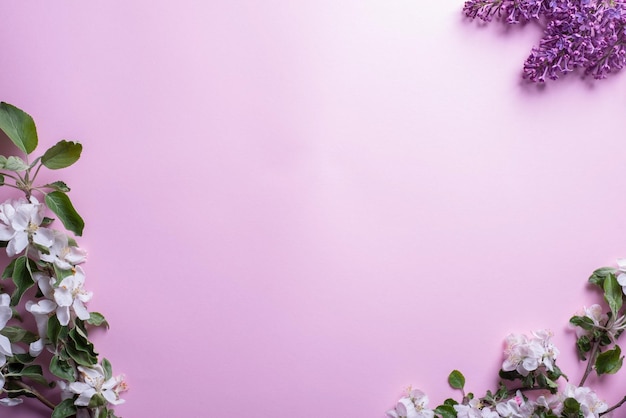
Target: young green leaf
(571, 406)
(19, 126)
(22, 278)
(613, 293)
(54, 330)
(18, 334)
(65, 409)
(58, 186)
(97, 319)
(61, 205)
(63, 369)
(15, 164)
(62, 154)
(108, 370)
(35, 373)
(610, 361)
(445, 411)
(456, 380)
(8, 270)
(584, 322)
(598, 276)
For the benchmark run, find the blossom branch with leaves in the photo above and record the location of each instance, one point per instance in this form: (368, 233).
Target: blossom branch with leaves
(529, 367)
(47, 282)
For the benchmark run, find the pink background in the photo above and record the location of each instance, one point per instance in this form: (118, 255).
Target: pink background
(297, 209)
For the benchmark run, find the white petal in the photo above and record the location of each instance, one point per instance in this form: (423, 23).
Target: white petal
(36, 347)
(80, 310)
(63, 315)
(6, 233)
(10, 401)
(5, 314)
(79, 387)
(85, 397)
(44, 237)
(5, 346)
(17, 244)
(112, 397)
(44, 307)
(63, 295)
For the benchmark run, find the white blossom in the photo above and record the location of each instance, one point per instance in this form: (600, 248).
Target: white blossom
(70, 293)
(525, 355)
(590, 405)
(20, 222)
(63, 255)
(412, 406)
(475, 409)
(93, 383)
(5, 345)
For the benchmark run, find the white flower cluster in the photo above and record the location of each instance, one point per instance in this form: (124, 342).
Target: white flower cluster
(523, 355)
(519, 407)
(526, 355)
(64, 296)
(414, 405)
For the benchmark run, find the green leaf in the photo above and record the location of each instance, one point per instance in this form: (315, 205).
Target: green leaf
(22, 278)
(54, 330)
(97, 319)
(58, 186)
(584, 322)
(97, 400)
(63, 369)
(598, 276)
(571, 406)
(108, 370)
(1, 180)
(65, 409)
(80, 349)
(18, 334)
(34, 373)
(60, 204)
(8, 271)
(15, 164)
(512, 375)
(62, 154)
(23, 358)
(450, 402)
(19, 126)
(456, 380)
(583, 345)
(446, 411)
(610, 361)
(613, 293)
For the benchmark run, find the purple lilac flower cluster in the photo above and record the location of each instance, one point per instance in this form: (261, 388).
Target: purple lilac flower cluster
(578, 34)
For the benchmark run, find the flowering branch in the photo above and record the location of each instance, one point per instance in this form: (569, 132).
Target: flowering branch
(530, 361)
(48, 282)
(586, 35)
